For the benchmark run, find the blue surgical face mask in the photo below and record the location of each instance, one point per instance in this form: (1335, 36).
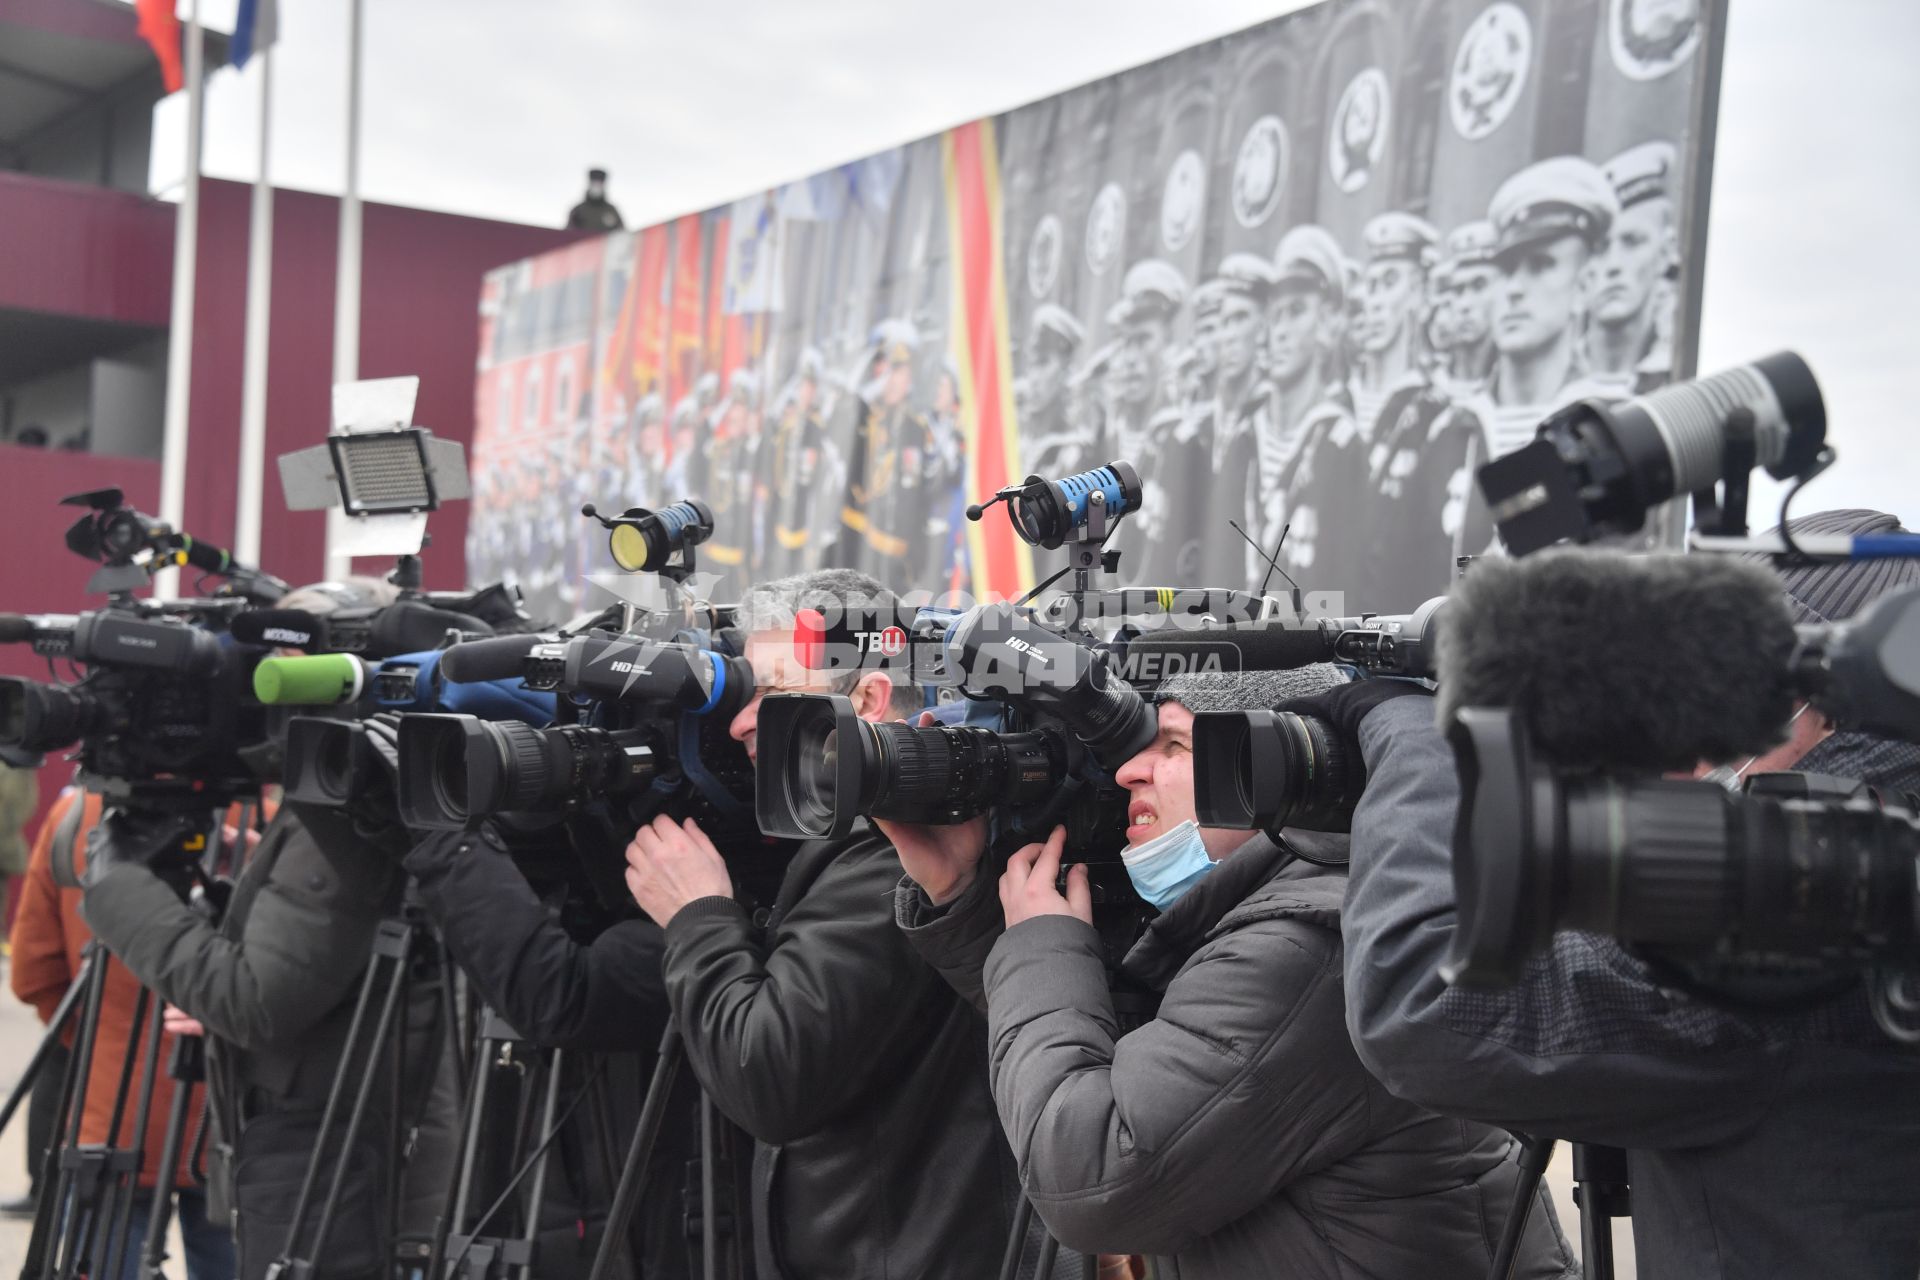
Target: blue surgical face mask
(1165, 867)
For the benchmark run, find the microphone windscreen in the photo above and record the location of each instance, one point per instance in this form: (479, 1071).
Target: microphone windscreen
(208, 558)
(281, 628)
(498, 658)
(1250, 647)
(1651, 663)
(410, 626)
(16, 628)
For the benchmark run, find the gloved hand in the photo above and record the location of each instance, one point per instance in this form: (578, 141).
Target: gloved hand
(1345, 705)
(375, 810)
(161, 842)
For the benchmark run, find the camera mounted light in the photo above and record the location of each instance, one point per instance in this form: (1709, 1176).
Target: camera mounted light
(378, 468)
(1046, 513)
(661, 542)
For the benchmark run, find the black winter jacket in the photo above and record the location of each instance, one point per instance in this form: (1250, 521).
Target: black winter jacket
(1784, 1144)
(859, 1072)
(1235, 1134)
(605, 1001)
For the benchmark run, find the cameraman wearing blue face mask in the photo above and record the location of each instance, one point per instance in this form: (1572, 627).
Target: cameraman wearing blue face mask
(1236, 1133)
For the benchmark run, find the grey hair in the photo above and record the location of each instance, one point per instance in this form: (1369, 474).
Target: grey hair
(775, 605)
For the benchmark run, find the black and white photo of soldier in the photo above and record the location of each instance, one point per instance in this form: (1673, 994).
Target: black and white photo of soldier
(1629, 343)
(1052, 442)
(1463, 292)
(1310, 427)
(943, 474)
(1551, 220)
(1142, 412)
(1243, 401)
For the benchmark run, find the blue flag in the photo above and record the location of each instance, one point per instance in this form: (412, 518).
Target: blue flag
(255, 27)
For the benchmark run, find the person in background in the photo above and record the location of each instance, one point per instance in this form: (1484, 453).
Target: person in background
(19, 797)
(595, 212)
(48, 937)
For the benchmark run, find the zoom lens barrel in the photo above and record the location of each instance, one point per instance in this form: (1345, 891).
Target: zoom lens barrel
(45, 717)
(821, 768)
(454, 769)
(326, 760)
(1270, 770)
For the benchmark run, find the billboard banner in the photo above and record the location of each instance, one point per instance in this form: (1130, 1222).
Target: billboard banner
(1306, 278)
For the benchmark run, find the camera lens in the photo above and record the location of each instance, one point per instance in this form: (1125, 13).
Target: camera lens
(323, 764)
(1269, 770)
(44, 717)
(457, 768)
(821, 767)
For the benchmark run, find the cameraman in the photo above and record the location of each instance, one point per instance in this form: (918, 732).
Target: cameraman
(274, 983)
(860, 1074)
(1235, 1134)
(1760, 1142)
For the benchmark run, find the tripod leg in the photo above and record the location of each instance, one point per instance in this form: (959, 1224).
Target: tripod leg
(474, 1107)
(56, 1028)
(536, 1197)
(709, 1195)
(1049, 1251)
(381, 1031)
(146, 1011)
(70, 1218)
(1016, 1240)
(188, 1069)
(633, 1174)
(334, 1093)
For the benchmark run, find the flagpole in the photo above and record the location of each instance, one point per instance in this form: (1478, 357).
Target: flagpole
(346, 292)
(186, 228)
(253, 387)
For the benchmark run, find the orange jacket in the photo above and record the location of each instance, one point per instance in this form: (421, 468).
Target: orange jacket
(48, 934)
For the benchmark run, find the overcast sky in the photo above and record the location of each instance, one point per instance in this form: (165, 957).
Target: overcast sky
(497, 107)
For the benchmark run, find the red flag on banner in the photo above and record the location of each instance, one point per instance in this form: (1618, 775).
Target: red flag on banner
(160, 28)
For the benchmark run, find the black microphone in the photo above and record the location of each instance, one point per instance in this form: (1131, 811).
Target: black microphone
(1631, 663)
(409, 626)
(281, 628)
(498, 658)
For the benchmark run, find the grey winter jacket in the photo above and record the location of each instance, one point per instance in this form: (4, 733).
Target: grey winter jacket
(1234, 1135)
(1759, 1146)
(275, 984)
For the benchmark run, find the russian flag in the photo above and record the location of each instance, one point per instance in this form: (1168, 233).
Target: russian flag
(256, 26)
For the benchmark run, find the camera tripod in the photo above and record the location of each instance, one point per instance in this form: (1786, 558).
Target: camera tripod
(1601, 1190)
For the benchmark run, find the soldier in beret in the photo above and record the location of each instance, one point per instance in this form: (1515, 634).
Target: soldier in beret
(1624, 343)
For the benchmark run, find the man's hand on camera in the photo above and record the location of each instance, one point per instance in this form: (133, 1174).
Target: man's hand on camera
(1345, 705)
(941, 860)
(670, 864)
(1027, 886)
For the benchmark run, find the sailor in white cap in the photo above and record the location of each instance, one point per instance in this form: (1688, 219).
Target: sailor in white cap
(1386, 341)
(1463, 285)
(1152, 295)
(1624, 342)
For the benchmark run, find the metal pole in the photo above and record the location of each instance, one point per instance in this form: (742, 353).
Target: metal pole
(346, 293)
(253, 385)
(186, 229)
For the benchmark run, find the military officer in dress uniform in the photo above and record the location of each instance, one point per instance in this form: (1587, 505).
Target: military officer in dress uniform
(800, 461)
(883, 515)
(1054, 336)
(1151, 297)
(1625, 346)
(1386, 342)
(724, 475)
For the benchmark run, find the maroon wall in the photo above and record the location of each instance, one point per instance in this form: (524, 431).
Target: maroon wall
(420, 289)
(74, 250)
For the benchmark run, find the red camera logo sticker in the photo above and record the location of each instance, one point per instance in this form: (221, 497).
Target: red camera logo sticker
(893, 642)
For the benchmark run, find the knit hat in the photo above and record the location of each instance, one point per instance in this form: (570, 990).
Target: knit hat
(1835, 592)
(1248, 690)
